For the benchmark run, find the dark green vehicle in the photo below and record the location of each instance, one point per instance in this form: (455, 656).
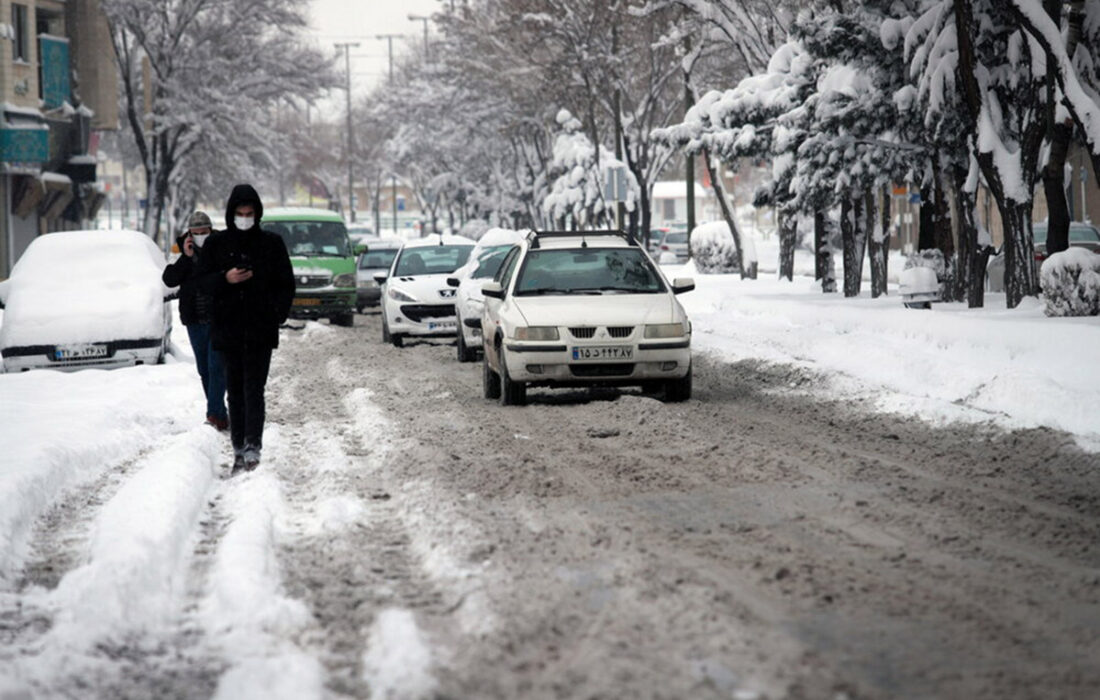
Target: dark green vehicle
(323, 260)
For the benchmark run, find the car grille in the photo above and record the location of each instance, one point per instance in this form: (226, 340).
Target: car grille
(419, 312)
(582, 332)
(312, 281)
(617, 369)
(620, 331)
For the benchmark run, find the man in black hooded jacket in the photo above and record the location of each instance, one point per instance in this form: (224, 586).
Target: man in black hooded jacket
(247, 271)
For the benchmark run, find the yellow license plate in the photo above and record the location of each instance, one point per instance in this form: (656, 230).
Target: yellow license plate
(307, 302)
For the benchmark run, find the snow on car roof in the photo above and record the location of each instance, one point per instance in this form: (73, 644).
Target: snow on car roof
(433, 239)
(85, 286)
(592, 240)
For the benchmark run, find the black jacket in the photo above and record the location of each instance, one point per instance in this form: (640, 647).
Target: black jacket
(248, 313)
(195, 305)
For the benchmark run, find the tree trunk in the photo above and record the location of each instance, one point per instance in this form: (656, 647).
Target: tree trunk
(1021, 279)
(788, 237)
(880, 243)
(821, 243)
(853, 234)
(971, 261)
(724, 205)
(1059, 134)
(926, 232)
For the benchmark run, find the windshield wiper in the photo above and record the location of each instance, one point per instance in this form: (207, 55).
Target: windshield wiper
(625, 290)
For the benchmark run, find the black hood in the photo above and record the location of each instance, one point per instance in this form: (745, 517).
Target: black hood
(243, 194)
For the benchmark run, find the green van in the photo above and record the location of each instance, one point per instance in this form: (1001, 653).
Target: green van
(323, 260)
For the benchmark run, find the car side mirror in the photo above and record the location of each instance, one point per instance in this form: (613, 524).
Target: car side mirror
(493, 289)
(4, 292)
(682, 284)
(452, 282)
(360, 249)
(381, 277)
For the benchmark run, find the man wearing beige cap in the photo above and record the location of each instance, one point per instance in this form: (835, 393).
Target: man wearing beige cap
(195, 313)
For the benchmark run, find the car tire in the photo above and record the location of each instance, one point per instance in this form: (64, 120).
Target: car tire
(346, 320)
(397, 340)
(465, 354)
(490, 382)
(677, 390)
(385, 329)
(358, 309)
(512, 393)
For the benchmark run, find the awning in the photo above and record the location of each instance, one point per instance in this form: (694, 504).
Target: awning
(59, 192)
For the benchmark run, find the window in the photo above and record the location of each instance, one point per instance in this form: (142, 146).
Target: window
(432, 260)
(377, 259)
(669, 207)
(488, 263)
(19, 26)
(313, 238)
(588, 271)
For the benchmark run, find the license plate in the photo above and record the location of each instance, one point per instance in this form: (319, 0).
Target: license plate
(442, 326)
(80, 352)
(307, 302)
(603, 353)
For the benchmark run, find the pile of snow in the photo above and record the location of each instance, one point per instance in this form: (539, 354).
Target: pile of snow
(1071, 283)
(84, 287)
(713, 250)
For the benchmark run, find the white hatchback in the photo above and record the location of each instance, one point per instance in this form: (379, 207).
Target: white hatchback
(416, 300)
(479, 269)
(584, 309)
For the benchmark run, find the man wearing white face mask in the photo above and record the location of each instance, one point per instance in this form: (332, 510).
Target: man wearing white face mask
(196, 308)
(247, 272)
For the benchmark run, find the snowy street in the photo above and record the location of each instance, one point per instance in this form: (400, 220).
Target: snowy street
(780, 535)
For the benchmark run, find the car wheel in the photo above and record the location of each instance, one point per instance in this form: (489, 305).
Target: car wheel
(465, 354)
(358, 309)
(397, 340)
(490, 382)
(163, 351)
(512, 393)
(677, 390)
(345, 319)
(385, 329)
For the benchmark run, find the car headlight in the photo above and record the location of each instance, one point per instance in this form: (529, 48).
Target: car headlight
(664, 330)
(398, 295)
(345, 280)
(536, 333)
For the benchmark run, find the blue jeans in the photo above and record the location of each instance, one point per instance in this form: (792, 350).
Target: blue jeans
(211, 369)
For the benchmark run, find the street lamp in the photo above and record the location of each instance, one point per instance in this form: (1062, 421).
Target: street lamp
(425, 19)
(347, 46)
(389, 40)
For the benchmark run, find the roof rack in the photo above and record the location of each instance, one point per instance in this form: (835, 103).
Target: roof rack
(534, 236)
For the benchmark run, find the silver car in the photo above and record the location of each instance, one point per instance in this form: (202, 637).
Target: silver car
(377, 257)
(1080, 236)
(675, 242)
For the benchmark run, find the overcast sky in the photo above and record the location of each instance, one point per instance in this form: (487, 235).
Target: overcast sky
(362, 20)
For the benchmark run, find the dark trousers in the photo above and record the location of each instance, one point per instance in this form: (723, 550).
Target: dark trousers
(246, 369)
(208, 362)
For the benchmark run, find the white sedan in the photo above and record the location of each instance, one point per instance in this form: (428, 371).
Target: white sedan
(85, 299)
(416, 300)
(584, 309)
(479, 269)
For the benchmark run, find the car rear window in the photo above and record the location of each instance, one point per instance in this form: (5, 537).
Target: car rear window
(587, 271)
(676, 238)
(1084, 234)
(432, 260)
(377, 259)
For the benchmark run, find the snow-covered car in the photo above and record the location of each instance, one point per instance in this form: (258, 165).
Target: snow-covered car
(416, 299)
(584, 309)
(85, 299)
(479, 269)
(1081, 235)
(376, 258)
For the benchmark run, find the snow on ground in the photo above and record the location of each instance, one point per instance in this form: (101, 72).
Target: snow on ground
(1016, 368)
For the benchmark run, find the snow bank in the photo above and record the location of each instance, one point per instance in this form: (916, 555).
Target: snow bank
(85, 286)
(950, 363)
(1071, 283)
(713, 250)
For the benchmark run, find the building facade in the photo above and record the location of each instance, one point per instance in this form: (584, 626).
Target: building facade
(58, 87)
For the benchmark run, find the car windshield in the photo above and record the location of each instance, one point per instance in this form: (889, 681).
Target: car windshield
(432, 260)
(488, 262)
(588, 271)
(313, 238)
(676, 238)
(377, 259)
(1077, 232)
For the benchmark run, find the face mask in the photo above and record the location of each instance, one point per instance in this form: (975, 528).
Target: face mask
(243, 223)
(199, 239)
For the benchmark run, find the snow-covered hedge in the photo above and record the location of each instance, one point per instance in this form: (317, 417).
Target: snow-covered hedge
(713, 250)
(1071, 283)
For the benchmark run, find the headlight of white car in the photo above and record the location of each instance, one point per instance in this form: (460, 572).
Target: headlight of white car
(398, 295)
(345, 280)
(536, 333)
(664, 330)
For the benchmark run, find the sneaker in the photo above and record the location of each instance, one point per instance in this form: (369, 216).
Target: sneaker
(251, 457)
(238, 462)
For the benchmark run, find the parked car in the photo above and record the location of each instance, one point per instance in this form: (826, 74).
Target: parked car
(324, 265)
(482, 266)
(85, 299)
(416, 300)
(583, 309)
(1080, 235)
(675, 242)
(377, 257)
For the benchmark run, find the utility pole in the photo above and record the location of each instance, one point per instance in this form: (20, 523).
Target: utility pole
(425, 20)
(389, 40)
(620, 207)
(347, 46)
(689, 159)
(393, 178)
